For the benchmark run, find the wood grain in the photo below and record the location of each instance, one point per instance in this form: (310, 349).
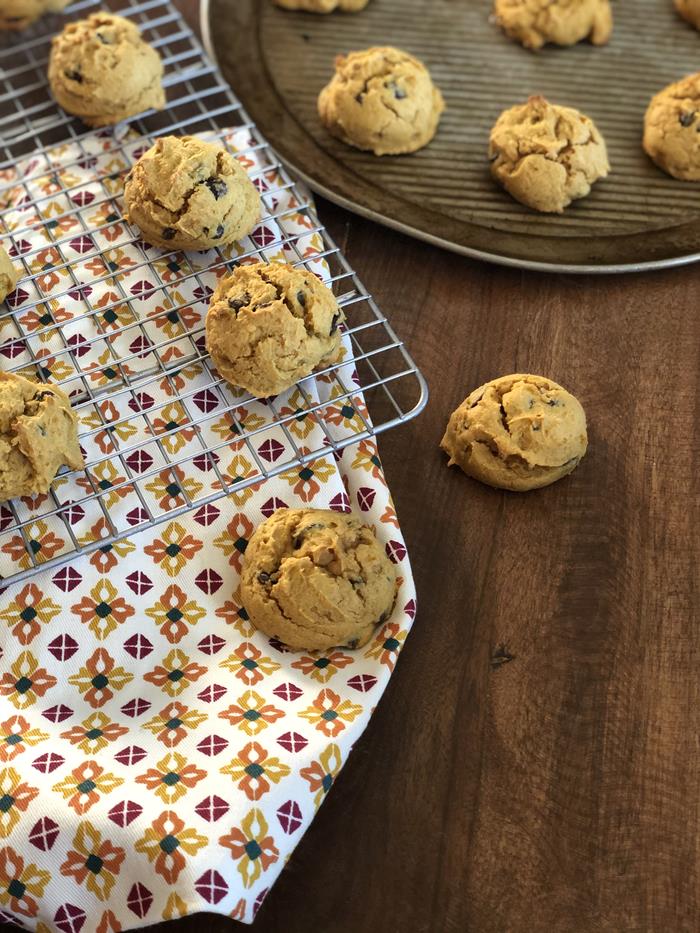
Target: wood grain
(533, 766)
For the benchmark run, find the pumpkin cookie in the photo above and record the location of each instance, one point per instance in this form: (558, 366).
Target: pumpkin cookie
(690, 11)
(317, 579)
(8, 275)
(533, 23)
(17, 14)
(382, 100)
(518, 432)
(672, 129)
(38, 434)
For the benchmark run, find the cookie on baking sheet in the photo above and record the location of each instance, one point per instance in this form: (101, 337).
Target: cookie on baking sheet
(323, 6)
(534, 23)
(317, 579)
(546, 156)
(102, 71)
(8, 275)
(382, 100)
(517, 432)
(689, 10)
(672, 129)
(38, 434)
(17, 14)
(269, 325)
(185, 193)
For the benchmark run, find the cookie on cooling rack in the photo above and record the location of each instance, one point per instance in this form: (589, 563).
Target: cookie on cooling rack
(534, 23)
(269, 325)
(102, 71)
(317, 579)
(38, 434)
(323, 6)
(381, 100)
(8, 275)
(546, 156)
(672, 129)
(17, 14)
(185, 193)
(517, 432)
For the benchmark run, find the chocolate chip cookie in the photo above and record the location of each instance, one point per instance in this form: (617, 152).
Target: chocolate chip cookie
(8, 275)
(102, 71)
(533, 23)
(546, 156)
(517, 432)
(269, 325)
(672, 129)
(381, 100)
(317, 579)
(17, 14)
(38, 434)
(185, 193)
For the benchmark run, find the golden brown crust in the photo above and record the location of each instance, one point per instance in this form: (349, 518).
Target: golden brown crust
(672, 129)
(534, 23)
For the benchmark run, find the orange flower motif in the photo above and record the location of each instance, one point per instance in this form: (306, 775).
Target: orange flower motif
(103, 610)
(344, 413)
(94, 733)
(51, 367)
(106, 558)
(15, 797)
(43, 266)
(19, 881)
(306, 480)
(108, 220)
(174, 612)
(43, 542)
(16, 736)
(321, 774)
(387, 644)
(164, 843)
(173, 418)
(367, 459)
(176, 673)
(83, 786)
(172, 777)
(251, 713)
(121, 429)
(27, 612)
(25, 681)
(169, 487)
(329, 714)
(249, 664)
(234, 423)
(251, 847)
(389, 516)
(99, 678)
(234, 541)
(172, 723)
(108, 923)
(238, 470)
(234, 614)
(253, 770)
(303, 422)
(322, 667)
(94, 861)
(174, 549)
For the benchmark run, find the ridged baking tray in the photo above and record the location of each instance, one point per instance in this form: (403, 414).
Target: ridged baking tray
(636, 219)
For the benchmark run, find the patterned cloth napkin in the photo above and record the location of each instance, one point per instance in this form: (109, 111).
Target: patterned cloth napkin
(159, 756)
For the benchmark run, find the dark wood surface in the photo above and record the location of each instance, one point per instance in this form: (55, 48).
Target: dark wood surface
(533, 766)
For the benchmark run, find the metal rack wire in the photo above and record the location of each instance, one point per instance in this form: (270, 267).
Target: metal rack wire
(119, 324)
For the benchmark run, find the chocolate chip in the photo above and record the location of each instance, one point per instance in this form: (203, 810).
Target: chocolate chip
(263, 577)
(353, 644)
(168, 233)
(103, 39)
(42, 395)
(397, 91)
(74, 76)
(334, 324)
(358, 97)
(687, 118)
(235, 304)
(217, 186)
(303, 534)
(219, 232)
(355, 581)
(301, 298)
(552, 402)
(41, 430)
(536, 427)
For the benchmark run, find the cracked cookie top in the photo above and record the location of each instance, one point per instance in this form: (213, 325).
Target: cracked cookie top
(185, 193)
(382, 100)
(8, 275)
(16, 14)
(269, 325)
(323, 6)
(689, 10)
(38, 434)
(546, 156)
(517, 432)
(533, 23)
(317, 579)
(101, 70)
(672, 129)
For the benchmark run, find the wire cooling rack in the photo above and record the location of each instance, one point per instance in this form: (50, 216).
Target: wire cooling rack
(119, 325)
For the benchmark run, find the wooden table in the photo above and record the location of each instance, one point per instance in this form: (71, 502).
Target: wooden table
(533, 766)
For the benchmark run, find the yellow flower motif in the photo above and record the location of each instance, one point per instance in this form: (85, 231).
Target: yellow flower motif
(93, 861)
(251, 713)
(173, 549)
(168, 488)
(83, 786)
(249, 664)
(16, 736)
(303, 423)
(19, 881)
(164, 842)
(15, 797)
(25, 681)
(250, 845)
(321, 774)
(253, 770)
(94, 733)
(172, 777)
(25, 614)
(103, 610)
(175, 907)
(329, 714)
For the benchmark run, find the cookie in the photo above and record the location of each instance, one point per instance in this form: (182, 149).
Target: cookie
(316, 579)
(38, 434)
(672, 129)
(102, 71)
(518, 432)
(546, 156)
(269, 325)
(534, 23)
(8, 275)
(185, 193)
(381, 100)
(690, 11)
(323, 6)
(17, 14)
